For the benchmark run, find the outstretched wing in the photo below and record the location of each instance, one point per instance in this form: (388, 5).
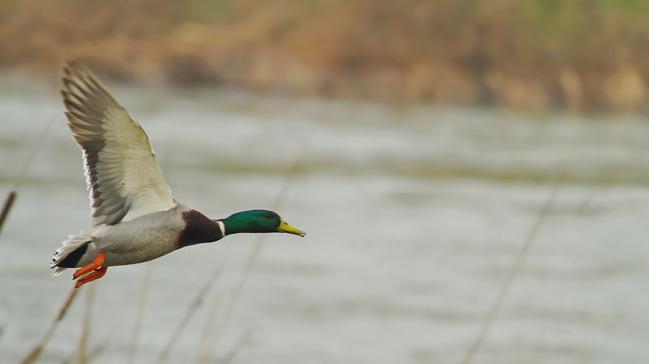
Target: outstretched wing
(122, 176)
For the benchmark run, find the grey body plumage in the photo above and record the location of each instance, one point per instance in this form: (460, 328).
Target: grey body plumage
(150, 236)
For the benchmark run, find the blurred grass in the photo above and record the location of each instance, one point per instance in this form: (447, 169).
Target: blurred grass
(536, 54)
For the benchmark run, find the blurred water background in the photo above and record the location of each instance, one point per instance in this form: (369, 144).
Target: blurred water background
(414, 215)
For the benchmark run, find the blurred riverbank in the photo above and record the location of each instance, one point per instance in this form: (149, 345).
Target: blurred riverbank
(536, 55)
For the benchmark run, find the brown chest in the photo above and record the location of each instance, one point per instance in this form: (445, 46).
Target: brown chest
(198, 229)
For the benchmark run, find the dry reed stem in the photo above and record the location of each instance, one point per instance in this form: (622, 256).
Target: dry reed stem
(6, 208)
(191, 309)
(207, 349)
(20, 178)
(209, 325)
(251, 261)
(514, 272)
(92, 354)
(139, 315)
(33, 151)
(86, 325)
(36, 352)
(229, 357)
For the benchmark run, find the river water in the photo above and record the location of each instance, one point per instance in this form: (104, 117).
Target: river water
(414, 216)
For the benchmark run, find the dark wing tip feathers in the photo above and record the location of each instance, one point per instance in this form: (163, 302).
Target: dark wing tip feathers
(79, 81)
(85, 101)
(72, 72)
(73, 67)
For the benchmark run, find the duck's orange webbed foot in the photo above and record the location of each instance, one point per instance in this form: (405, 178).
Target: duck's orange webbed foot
(94, 275)
(92, 271)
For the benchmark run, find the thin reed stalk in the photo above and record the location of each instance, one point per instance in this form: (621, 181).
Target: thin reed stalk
(229, 357)
(86, 326)
(251, 261)
(586, 206)
(514, 272)
(35, 353)
(92, 354)
(139, 315)
(228, 309)
(33, 151)
(208, 327)
(20, 178)
(6, 208)
(189, 313)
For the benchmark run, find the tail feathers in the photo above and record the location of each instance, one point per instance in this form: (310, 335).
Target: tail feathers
(57, 271)
(68, 246)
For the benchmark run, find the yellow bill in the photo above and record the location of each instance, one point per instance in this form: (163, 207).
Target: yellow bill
(285, 227)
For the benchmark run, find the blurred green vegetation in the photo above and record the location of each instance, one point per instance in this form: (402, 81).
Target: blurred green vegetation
(536, 54)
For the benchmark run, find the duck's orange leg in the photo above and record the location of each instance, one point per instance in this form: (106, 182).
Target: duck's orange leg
(96, 274)
(97, 263)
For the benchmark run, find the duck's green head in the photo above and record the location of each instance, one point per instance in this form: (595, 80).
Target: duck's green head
(258, 221)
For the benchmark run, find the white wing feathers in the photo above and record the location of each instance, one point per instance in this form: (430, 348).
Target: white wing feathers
(122, 176)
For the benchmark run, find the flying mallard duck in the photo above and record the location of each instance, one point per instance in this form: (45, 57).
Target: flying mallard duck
(135, 218)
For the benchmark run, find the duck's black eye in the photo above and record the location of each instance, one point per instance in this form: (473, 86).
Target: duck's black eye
(268, 215)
